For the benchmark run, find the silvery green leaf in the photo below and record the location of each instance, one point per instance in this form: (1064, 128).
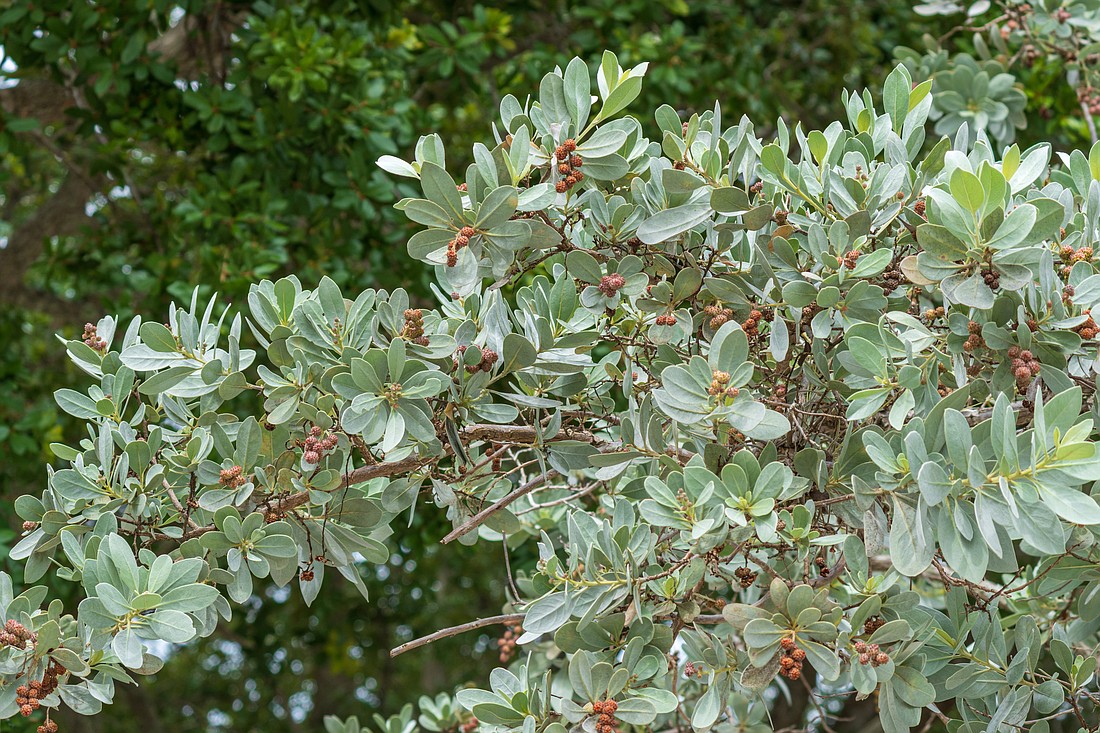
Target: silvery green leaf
(396, 166)
(672, 222)
(546, 614)
(911, 545)
(127, 647)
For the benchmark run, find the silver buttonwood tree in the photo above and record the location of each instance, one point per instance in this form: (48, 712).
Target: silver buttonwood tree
(803, 431)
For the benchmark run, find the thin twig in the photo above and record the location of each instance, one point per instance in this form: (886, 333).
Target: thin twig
(1089, 121)
(478, 519)
(508, 618)
(183, 512)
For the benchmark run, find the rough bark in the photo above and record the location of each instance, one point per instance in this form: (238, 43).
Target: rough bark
(63, 214)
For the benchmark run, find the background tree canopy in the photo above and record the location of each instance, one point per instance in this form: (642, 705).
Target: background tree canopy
(153, 148)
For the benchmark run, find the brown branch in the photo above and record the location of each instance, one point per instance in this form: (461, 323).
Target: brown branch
(525, 434)
(514, 434)
(358, 476)
(478, 519)
(183, 512)
(508, 618)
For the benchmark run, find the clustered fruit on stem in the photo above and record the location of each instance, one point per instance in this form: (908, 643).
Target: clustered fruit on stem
(461, 240)
(1088, 329)
(17, 635)
(92, 339)
(718, 315)
(568, 166)
(849, 259)
(790, 664)
(991, 277)
(666, 320)
(719, 386)
(870, 654)
(29, 696)
(751, 325)
(414, 327)
(745, 576)
(611, 284)
(231, 477)
(1071, 257)
(974, 340)
(1025, 367)
(488, 358)
(507, 643)
(607, 722)
(317, 444)
(933, 313)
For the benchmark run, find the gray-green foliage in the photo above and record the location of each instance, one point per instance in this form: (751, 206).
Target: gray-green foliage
(815, 407)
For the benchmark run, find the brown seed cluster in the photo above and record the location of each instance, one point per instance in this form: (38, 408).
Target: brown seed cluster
(29, 696)
(790, 664)
(29, 525)
(507, 643)
(611, 284)
(469, 726)
(719, 386)
(849, 259)
(919, 207)
(718, 315)
(414, 327)
(1071, 257)
(992, 278)
(870, 654)
(751, 324)
(745, 577)
(92, 339)
(461, 240)
(873, 624)
(607, 722)
(317, 444)
(891, 279)
(1089, 96)
(231, 477)
(568, 166)
(488, 358)
(306, 575)
(16, 634)
(48, 727)
(666, 320)
(1025, 366)
(933, 313)
(1088, 329)
(974, 341)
